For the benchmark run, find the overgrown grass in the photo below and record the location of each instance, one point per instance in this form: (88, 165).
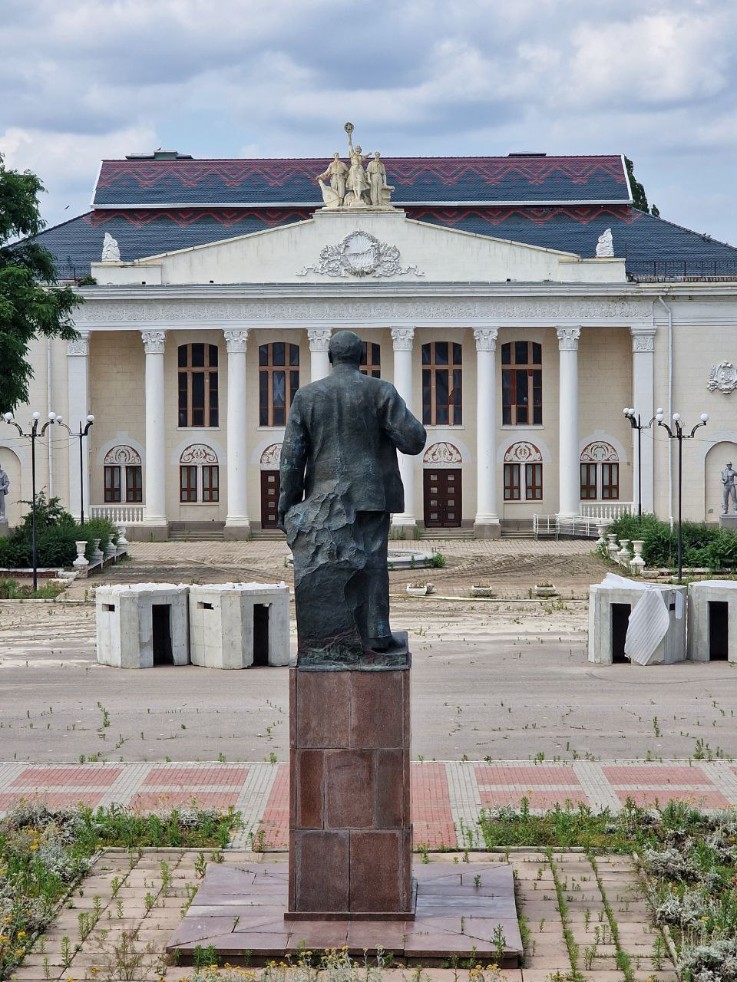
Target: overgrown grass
(10, 589)
(42, 855)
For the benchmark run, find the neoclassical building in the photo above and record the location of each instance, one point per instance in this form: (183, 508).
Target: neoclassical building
(478, 291)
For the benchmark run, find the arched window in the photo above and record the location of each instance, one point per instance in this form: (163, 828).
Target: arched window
(199, 475)
(122, 469)
(442, 383)
(522, 383)
(599, 472)
(198, 384)
(278, 381)
(523, 473)
(371, 359)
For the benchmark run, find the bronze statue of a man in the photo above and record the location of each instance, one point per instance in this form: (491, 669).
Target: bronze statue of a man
(339, 483)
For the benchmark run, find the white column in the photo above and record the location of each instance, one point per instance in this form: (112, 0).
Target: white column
(643, 400)
(77, 409)
(569, 503)
(154, 509)
(236, 523)
(319, 361)
(402, 338)
(487, 518)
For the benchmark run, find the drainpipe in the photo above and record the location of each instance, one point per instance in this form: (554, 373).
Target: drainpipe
(669, 312)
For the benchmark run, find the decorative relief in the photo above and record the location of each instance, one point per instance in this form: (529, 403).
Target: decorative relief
(723, 377)
(360, 254)
(597, 452)
(198, 453)
(485, 338)
(403, 338)
(522, 453)
(392, 310)
(122, 455)
(153, 342)
(568, 338)
(79, 346)
(236, 341)
(643, 339)
(271, 457)
(319, 340)
(442, 455)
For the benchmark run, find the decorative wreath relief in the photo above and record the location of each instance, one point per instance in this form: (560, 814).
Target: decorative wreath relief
(723, 377)
(360, 254)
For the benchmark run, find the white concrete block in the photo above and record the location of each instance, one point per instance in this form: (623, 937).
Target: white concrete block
(712, 634)
(607, 630)
(234, 625)
(142, 625)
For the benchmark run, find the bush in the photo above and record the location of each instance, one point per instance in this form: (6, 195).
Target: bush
(702, 545)
(56, 533)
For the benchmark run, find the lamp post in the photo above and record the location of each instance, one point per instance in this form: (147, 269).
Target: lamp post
(636, 423)
(677, 433)
(34, 432)
(82, 433)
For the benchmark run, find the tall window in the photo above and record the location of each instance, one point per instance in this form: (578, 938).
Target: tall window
(122, 470)
(371, 359)
(198, 384)
(599, 470)
(199, 475)
(442, 383)
(278, 381)
(523, 473)
(522, 383)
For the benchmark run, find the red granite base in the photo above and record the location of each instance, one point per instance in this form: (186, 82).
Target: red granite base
(460, 909)
(350, 838)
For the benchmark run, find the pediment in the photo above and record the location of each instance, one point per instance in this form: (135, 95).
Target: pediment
(344, 246)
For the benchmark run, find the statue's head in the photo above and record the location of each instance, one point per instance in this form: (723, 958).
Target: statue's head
(336, 155)
(359, 148)
(376, 154)
(345, 348)
(729, 464)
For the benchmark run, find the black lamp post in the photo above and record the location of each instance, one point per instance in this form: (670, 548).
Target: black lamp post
(82, 433)
(677, 434)
(34, 432)
(636, 423)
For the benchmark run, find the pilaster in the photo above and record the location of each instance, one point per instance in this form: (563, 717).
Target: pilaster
(154, 509)
(237, 525)
(643, 400)
(77, 410)
(569, 500)
(403, 342)
(486, 524)
(319, 361)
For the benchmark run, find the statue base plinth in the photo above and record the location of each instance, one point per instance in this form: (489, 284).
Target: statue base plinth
(728, 522)
(4, 528)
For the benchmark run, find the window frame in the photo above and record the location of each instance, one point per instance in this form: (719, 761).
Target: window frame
(439, 375)
(269, 414)
(371, 359)
(111, 484)
(210, 483)
(188, 491)
(585, 484)
(191, 377)
(522, 383)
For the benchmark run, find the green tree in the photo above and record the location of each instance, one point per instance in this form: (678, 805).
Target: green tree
(639, 197)
(31, 304)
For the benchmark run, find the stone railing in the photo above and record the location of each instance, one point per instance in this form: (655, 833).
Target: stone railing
(606, 510)
(118, 514)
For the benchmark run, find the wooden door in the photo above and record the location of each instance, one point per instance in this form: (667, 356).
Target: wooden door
(269, 499)
(442, 498)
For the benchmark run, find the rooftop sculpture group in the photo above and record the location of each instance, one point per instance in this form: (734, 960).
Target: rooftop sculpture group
(353, 186)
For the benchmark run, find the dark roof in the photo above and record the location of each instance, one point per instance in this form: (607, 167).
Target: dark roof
(417, 180)
(651, 246)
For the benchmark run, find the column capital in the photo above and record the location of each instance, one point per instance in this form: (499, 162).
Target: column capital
(643, 338)
(568, 338)
(485, 338)
(402, 338)
(79, 346)
(153, 342)
(319, 339)
(236, 340)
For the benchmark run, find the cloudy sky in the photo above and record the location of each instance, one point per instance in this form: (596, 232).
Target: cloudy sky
(87, 79)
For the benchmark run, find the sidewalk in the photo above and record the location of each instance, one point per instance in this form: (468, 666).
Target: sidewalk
(446, 795)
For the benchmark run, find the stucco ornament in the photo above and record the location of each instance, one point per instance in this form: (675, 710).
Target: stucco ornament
(442, 455)
(110, 250)
(605, 245)
(360, 254)
(723, 377)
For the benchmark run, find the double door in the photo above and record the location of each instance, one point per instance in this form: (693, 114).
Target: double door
(442, 498)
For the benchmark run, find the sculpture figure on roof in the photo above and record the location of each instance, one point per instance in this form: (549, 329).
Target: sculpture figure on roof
(605, 245)
(110, 250)
(355, 186)
(336, 174)
(380, 191)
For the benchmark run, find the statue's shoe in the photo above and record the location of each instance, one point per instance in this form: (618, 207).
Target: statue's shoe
(388, 642)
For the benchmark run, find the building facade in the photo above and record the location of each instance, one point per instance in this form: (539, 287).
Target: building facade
(478, 291)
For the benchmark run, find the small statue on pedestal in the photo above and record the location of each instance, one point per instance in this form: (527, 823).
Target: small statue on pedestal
(729, 489)
(4, 488)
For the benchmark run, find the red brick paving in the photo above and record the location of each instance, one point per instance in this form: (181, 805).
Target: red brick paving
(502, 797)
(527, 776)
(432, 817)
(158, 800)
(275, 820)
(64, 777)
(197, 777)
(662, 796)
(53, 800)
(659, 776)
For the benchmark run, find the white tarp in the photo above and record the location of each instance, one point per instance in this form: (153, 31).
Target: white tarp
(649, 620)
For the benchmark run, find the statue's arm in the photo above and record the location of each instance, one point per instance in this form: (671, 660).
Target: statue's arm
(404, 430)
(293, 462)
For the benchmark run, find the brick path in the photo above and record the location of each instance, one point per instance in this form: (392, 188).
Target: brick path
(446, 796)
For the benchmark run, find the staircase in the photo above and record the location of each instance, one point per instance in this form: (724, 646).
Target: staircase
(448, 533)
(196, 531)
(520, 529)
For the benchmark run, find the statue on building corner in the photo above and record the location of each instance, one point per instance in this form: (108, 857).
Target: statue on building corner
(605, 245)
(4, 488)
(729, 489)
(110, 250)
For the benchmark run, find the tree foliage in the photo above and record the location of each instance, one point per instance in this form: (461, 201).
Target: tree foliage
(639, 197)
(31, 304)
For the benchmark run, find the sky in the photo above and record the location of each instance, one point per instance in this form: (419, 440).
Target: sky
(83, 80)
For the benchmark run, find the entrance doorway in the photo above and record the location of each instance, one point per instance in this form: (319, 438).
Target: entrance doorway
(269, 499)
(718, 630)
(620, 623)
(260, 634)
(161, 634)
(442, 498)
